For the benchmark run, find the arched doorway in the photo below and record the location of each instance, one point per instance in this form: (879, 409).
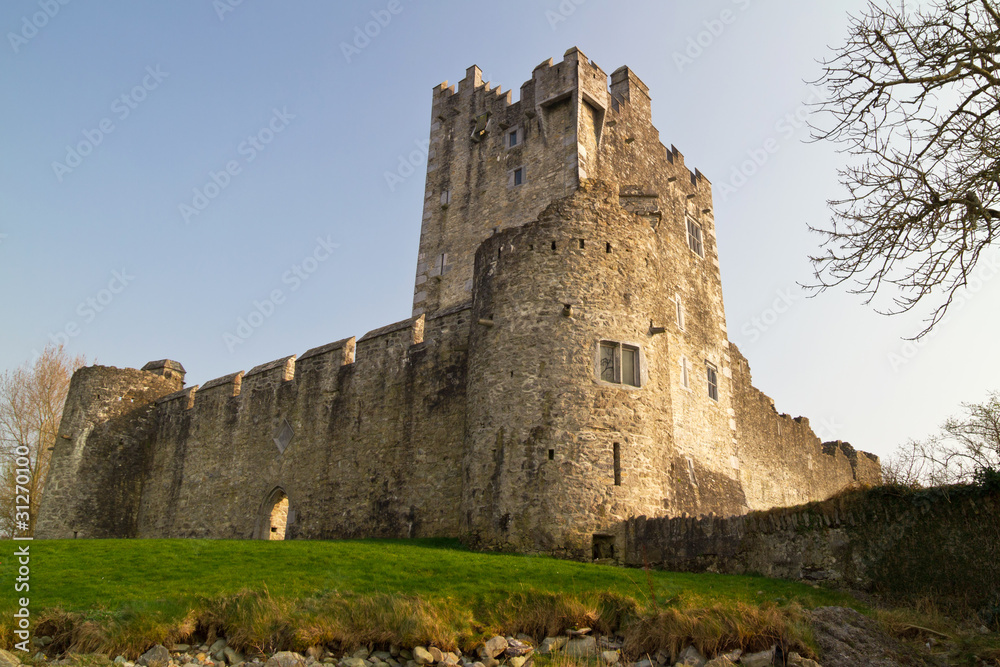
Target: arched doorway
(272, 521)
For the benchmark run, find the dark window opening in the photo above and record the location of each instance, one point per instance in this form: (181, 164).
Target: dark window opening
(512, 139)
(553, 245)
(618, 464)
(519, 176)
(607, 247)
(581, 244)
(552, 454)
(604, 547)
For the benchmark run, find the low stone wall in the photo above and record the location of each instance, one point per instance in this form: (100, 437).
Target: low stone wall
(943, 542)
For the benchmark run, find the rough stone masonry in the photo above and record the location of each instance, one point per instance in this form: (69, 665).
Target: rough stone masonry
(566, 366)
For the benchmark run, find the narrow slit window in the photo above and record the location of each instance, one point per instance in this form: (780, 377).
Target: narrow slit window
(552, 454)
(607, 247)
(618, 464)
(685, 374)
(680, 311)
(582, 244)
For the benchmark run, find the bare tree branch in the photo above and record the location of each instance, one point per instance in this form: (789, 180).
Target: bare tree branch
(914, 102)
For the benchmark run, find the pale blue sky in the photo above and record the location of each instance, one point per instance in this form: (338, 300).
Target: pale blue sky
(100, 248)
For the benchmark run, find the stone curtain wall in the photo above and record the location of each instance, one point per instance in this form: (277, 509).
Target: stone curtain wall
(942, 542)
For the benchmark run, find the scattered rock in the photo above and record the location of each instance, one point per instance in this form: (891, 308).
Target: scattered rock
(120, 660)
(645, 662)
(422, 656)
(609, 657)
(516, 647)
(180, 648)
(550, 644)
(796, 660)
(691, 657)
(490, 662)
(721, 661)
(518, 660)
(384, 655)
(8, 659)
(158, 656)
(578, 632)
(353, 662)
(759, 659)
(495, 646)
(436, 653)
(286, 659)
(361, 653)
(232, 656)
(581, 647)
(215, 650)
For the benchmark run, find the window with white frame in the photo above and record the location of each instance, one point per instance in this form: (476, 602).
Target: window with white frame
(695, 237)
(680, 311)
(713, 380)
(516, 177)
(685, 373)
(619, 363)
(513, 138)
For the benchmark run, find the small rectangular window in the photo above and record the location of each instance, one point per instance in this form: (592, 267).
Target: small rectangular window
(618, 464)
(680, 311)
(695, 237)
(685, 375)
(552, 455)
(620, 364)
(608, 369)
(512, 139)
(713, 380)
(519, 176)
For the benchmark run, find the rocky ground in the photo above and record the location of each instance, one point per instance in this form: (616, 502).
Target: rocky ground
(845, 637)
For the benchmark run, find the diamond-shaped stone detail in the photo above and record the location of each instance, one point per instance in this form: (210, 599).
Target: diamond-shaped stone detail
(284, 436)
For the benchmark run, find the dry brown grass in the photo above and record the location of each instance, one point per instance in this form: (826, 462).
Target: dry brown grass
(256, 622)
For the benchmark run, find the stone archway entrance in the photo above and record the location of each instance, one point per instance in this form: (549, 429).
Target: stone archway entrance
(272, 521)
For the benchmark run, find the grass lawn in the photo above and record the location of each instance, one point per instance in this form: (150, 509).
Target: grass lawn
(106, 574)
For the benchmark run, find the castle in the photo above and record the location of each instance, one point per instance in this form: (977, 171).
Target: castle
(566, 366)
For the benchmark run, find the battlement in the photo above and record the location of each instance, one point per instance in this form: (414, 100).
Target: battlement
(495, 164)
(386, 345)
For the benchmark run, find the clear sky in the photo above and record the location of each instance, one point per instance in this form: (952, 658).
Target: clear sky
(166, 167)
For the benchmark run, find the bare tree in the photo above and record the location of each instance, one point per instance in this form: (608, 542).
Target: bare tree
(31, 405)
(914, 100)
(965, 446)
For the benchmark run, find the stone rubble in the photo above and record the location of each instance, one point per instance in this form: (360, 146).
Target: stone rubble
(496, 652)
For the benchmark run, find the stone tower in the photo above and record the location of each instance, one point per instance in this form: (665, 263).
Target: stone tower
(599, 372)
